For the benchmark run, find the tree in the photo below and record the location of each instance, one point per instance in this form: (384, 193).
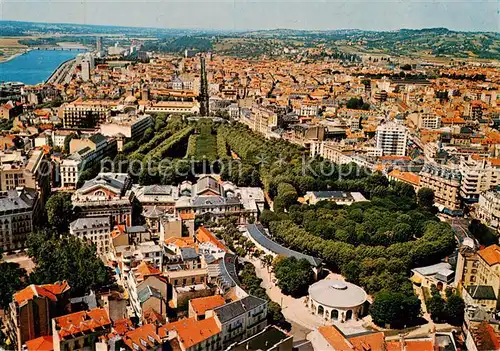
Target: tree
(67, 140)
(395, 309)
(454, 310)
(11, 280)
(482, 233)
(436, 307)
(294, 276)
(59, 211)
(287, 196)
(357, 104)
(425, 198)
(66, 258)
(268, 260)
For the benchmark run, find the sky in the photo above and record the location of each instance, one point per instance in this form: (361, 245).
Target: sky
(466, 15)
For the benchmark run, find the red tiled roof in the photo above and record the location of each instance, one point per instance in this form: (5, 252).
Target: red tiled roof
(43, 343)
(190, 331)
(203, 304)
(80, 322)
(491, 254)
(203, 236)
(144, 337)
(32, 291)
(122, 326)
(57, 288)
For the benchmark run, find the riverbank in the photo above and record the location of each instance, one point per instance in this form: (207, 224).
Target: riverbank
(4, 59)
(36, 66)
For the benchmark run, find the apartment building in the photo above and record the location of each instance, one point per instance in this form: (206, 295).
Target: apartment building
(130, 126)
(467, 265)
(332, 151)
(478, 176)
(428, 121)
(392, 138)
(86, 114)
(31, 310)
(488, 208)
(488, 271)
(94, 229)
(260, 120)
(19, 212)
(240, 319)
(147, 289)
(80, 330)
(194, 335)
(31, 171)
(85, 153)
(189, 107)
(444, 182)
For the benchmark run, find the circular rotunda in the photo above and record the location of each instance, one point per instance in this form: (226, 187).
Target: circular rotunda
(336, 300)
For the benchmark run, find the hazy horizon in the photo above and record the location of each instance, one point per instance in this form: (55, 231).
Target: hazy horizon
(241, 15)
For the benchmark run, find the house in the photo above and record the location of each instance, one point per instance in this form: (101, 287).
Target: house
(440, 274)
(147, 289)
(80, 330)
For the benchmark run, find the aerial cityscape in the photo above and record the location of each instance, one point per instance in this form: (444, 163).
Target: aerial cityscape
(185, 186)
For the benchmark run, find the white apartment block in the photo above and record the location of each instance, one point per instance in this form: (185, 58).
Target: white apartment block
(428, 121)
(308, 110)
(488, 210)
(477, 176)
(392, 138)
(94, 229)
(69, 170)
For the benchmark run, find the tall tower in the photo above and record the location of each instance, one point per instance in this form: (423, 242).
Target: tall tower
(98, 44)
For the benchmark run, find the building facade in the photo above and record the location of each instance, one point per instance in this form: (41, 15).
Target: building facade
(392, 138)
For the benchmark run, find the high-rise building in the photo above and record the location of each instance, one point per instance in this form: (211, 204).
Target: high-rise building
(98, 44)
(392, 139)
(478, 176)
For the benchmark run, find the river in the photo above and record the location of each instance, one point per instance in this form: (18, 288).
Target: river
(35, 66)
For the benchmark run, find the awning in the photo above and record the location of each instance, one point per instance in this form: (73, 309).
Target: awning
(416, 279)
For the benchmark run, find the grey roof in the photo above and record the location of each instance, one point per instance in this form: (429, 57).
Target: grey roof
(136, 229)
(17, 200)
(433, 269)
(158, 190)
(208, 183)
(116, 181)
(153, 213)
(89, 222)
(440, 171)
(89, 300)
(256, 231)
(97, 138)
(331, 194)
(238, 308)
(224, 272)
(481, 292)
(336, 293)
(207, 201)
(188, 253)
(147, 292)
